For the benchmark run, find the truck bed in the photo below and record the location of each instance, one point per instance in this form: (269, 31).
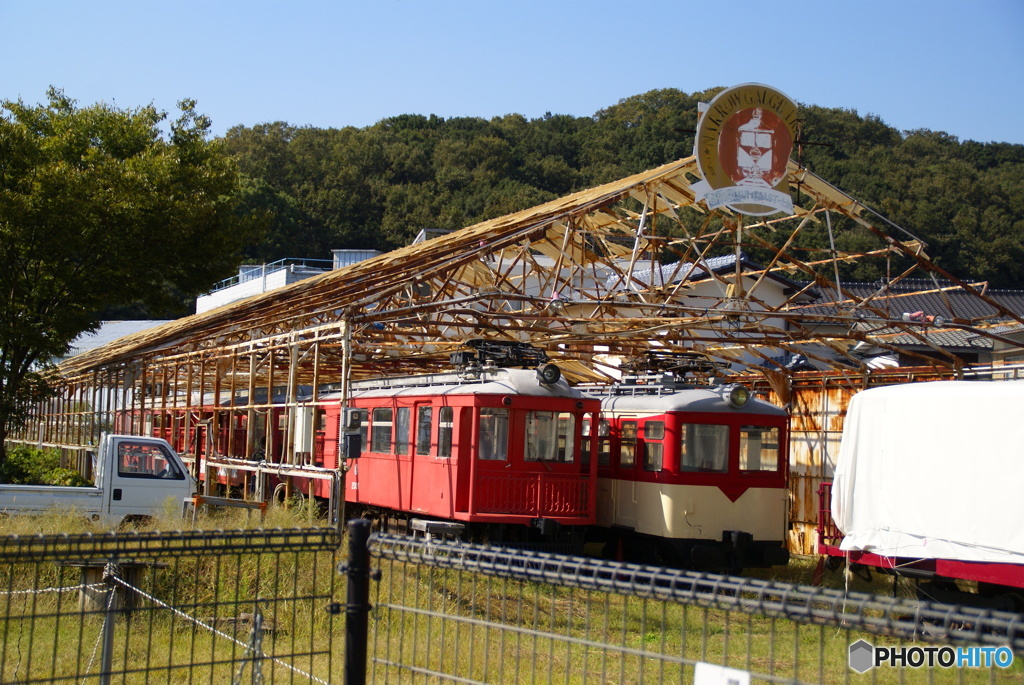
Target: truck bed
(37, 499)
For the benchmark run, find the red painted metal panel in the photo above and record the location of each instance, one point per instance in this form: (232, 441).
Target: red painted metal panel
(564, 498)
(830, 537)
(433, 486)
(465, 487)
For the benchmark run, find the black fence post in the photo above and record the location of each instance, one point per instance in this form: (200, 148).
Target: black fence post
(357, 607)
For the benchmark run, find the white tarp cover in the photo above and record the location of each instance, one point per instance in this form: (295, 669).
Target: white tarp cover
(934, 470)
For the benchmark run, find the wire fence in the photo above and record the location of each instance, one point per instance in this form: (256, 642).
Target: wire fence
(445, 612)
(231, 607)
(292, 606)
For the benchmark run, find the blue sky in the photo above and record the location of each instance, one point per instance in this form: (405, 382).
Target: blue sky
(948, 66)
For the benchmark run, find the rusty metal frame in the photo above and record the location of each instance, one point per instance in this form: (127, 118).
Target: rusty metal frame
(581, 276)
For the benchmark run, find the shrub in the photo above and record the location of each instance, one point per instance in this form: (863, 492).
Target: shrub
(29, 466)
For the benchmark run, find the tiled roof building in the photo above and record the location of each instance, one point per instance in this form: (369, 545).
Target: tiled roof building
(943, 305)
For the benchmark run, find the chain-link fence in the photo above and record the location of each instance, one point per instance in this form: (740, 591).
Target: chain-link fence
(446, 612)
(267, 606)
(214, 607)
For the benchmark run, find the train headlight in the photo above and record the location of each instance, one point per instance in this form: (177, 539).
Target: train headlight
(736, 395)
(548, 374)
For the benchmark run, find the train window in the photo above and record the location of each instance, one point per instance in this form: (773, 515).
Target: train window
(424, 422)
(627, 453)
(604, 443)
(381, 430)
(567, 437)
(494, 434)
(654, 432)
(653, 456)
(445, 420)
(402, 427)
(585, 442)
(704, 448)
(550, 436)
(759, 448)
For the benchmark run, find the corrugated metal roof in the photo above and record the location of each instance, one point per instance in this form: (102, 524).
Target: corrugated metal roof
(109, 331)
(921, 296)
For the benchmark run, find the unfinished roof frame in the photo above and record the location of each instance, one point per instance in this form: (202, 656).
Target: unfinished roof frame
(604, 273)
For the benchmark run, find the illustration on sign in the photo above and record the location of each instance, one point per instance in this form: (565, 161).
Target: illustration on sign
(744, 139)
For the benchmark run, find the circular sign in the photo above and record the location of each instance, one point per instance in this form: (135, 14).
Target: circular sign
(744, 140)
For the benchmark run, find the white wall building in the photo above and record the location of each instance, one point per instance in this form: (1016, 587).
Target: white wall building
(253, 279)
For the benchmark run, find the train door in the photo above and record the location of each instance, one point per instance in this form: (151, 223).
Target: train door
(605, 480)
(625, 482)
(432, 488)
(495, 484)
(458, 426)
(353, 479)
(652, 507)
(380, 472)
(237, 433)
(403, 455)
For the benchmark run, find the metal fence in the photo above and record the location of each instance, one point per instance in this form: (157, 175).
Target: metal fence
(268, 607)
(191, 607)
(446, 612)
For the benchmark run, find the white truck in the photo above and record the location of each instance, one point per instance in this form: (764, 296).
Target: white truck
(134, 477)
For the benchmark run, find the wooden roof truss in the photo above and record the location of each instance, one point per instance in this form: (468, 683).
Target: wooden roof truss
(595, 277)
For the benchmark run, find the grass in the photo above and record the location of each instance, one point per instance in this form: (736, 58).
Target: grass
(503, 631)
(48, 633)
(425, 621)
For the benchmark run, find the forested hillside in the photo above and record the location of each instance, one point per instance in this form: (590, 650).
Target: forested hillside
(376, 187)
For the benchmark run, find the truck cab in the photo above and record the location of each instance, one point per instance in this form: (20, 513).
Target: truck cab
(134, 477)
(138, 474)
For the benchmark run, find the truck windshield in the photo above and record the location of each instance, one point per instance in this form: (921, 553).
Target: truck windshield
(145, 460)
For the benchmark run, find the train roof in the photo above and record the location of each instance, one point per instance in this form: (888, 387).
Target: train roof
(695, 399)
(489, 381)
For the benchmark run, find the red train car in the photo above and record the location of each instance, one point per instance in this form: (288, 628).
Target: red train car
(654, 470)
(502, 450)
(221, 432)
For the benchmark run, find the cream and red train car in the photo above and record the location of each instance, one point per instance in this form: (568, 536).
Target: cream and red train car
(501, 450)
(694, 477)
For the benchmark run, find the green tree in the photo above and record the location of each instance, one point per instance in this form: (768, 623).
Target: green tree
(99, 208)
(378, 186)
